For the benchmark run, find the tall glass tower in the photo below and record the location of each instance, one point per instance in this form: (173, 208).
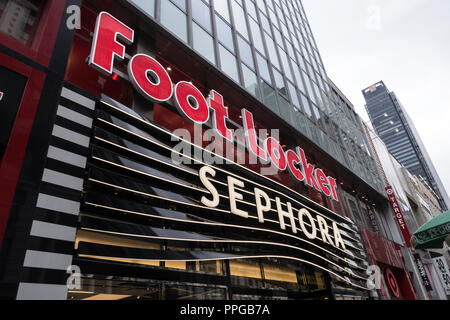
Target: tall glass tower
(396, 129)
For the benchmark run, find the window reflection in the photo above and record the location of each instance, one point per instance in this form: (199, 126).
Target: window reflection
(174, 19)
(19, 19)
(203, 43)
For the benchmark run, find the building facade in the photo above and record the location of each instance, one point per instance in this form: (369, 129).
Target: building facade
(396, 129)
(414, 206)
(180, 149)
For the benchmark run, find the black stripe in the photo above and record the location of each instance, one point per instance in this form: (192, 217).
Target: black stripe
(44, 276)
(65, 168)
(60, 218)
(60, 192)
(73, 126)
(74, 106)
(69, 146)
(51, 245)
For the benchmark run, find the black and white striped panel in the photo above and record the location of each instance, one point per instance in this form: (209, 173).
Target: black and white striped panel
(50, 248)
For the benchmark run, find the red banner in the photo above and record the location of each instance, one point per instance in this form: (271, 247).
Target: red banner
(399, 215)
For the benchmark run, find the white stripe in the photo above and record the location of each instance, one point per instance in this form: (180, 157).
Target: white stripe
(67, 157)
(52, 231)
(71, 136)
(74, 116)
(78, 98)
(58, 204)
(62, 179)
(39, 291)
(47, 260)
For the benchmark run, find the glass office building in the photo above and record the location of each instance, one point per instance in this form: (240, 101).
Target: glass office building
(394, 126)
(94, 207)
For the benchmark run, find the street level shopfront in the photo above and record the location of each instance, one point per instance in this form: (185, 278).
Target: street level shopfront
(106, 213)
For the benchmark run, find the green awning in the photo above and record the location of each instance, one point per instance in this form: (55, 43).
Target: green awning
(433, 233)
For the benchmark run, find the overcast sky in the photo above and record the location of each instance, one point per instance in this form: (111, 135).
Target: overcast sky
(405, 43)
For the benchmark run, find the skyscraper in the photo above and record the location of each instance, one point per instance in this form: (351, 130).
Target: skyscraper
(394, 126)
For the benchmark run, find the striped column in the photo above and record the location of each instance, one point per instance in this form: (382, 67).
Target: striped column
(52, 236)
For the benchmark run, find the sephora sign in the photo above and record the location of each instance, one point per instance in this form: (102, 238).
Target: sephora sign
(150, 78)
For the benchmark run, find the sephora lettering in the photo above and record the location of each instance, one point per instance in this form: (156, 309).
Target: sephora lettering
(311, 226)
(150, 79)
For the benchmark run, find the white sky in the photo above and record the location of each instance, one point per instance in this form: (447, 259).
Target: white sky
(405, 43)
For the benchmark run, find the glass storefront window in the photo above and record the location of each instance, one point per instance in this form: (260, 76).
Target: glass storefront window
(19, 19)
(174, 19)
(203, 43)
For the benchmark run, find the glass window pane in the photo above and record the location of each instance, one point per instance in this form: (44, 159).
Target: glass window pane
(272, 51)
(174, 19)
(203, 43)
(224, 33)
(251, 9)
(263, 68)
(229, 65)
(262, 6)
(279, 82)
(180, 3)
(285, 110)
(257, 38)
(294, 96)
(221, 7)
(251, 82)
(284, 60)
(306, 105)
(147, 6)
(201, 14)
(301, 122)
(270, 99)
(265, 22)
(246, 52)
(239, 19)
